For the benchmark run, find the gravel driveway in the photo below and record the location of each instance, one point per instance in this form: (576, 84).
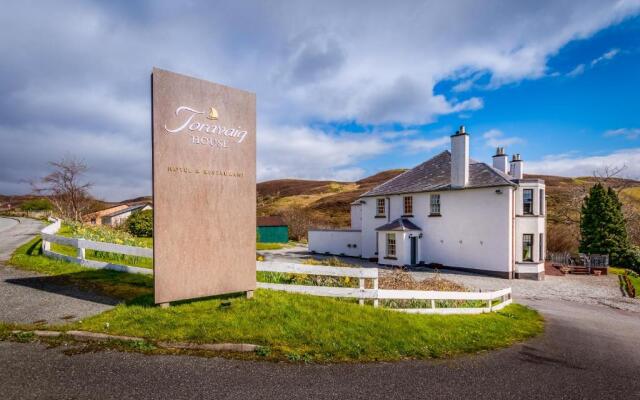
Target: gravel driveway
(585, 289)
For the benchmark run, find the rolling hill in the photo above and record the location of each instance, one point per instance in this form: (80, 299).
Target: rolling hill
(327, 203)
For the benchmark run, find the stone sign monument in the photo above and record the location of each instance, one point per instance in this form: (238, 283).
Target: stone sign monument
(204, 188)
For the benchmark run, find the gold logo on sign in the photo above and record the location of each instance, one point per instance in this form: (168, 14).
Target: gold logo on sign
(213, 114)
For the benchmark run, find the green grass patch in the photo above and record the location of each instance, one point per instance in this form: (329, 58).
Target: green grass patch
(633, 276)
(269, 246)
(115, 284)
(300, 327)
(286, 326)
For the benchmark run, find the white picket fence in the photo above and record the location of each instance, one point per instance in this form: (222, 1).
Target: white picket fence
(362, 293)
(49, 236)
(374, 293)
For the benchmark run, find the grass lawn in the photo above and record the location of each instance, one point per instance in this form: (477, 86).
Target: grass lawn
(269, 246)
(287, 326)
(308, 328)
(119, 285)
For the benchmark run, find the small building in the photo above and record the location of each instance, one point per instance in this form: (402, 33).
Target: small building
(117, 218)
(451, 211)
(272, 229)
(95, 218)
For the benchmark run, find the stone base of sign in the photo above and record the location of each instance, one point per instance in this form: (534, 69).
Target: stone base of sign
(249, 294)
(164, 305)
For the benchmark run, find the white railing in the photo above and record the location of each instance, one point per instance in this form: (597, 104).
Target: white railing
(49, 236)
(361, 293)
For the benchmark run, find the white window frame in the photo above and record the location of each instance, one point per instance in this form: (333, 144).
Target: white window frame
(532, 246)
(532, 201)
(382, 202)
(391, 245)
(408, 211)
(434, 206)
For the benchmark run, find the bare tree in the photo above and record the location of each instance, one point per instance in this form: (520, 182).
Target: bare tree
(69, 196)
(299, 221)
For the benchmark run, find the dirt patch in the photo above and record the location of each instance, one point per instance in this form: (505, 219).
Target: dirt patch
(401, 280)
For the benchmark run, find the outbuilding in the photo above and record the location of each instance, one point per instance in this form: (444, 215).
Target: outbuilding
(272, 229)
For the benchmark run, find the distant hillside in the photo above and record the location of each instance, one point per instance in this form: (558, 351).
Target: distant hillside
(306, 203)
(328, 202)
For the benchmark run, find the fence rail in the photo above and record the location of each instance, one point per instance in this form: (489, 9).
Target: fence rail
(362, 293)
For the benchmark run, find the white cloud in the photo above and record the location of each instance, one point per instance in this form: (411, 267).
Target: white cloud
(496, 138)
(421, 145)
(301, 152)
(581, 68)
(84, 67)
(578, 70)
(606, 56)
(576, 165)
(629, 133)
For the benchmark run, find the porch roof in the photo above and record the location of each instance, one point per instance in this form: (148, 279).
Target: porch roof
(400, 224)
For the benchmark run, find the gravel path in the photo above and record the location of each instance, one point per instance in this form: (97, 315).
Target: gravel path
(26, 297)
(584, 289)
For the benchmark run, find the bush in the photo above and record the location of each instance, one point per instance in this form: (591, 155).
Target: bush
(36, 205)
(141, 224)
(629, 259)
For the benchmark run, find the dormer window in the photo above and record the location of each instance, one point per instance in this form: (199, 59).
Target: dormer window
(408, 205)
(380, 208)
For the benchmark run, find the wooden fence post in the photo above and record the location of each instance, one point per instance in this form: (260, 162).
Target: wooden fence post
(361, 301)
(81, 250)
(375, 287)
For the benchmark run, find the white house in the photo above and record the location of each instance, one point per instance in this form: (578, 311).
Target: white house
(453, 211)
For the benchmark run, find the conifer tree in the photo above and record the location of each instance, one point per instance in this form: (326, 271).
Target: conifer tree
(602, 224)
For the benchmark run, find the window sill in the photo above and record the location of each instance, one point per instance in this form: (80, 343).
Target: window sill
(435, 215)
(407, 216)
(380, 216)
(390, 258)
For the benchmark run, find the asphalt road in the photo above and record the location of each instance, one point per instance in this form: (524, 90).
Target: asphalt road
(28, 297)
(586, 352)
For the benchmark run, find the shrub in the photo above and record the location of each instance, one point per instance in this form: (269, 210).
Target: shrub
(141, 224)
(629, 259)
(36, 205)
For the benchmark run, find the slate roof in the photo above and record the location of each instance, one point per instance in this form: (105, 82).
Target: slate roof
(435, 175)
(132, 208)
(400, 224)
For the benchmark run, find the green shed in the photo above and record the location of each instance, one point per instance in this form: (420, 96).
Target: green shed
(272, 230)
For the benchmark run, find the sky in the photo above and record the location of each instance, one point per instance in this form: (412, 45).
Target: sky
(344, 89)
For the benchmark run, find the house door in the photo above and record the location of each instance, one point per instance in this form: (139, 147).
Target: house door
(414, 250)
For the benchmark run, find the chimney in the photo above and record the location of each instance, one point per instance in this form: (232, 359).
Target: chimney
(517, 167)
(501, 161)
(460, 159)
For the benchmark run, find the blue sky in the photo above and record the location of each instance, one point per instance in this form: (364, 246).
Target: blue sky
(590, 90)
(344, 89)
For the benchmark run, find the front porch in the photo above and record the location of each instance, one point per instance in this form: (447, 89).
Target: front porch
(398, 243)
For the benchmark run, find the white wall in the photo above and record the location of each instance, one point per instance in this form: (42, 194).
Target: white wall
(338, 242)
(474, 230)
(356, 216)
(530, 224)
